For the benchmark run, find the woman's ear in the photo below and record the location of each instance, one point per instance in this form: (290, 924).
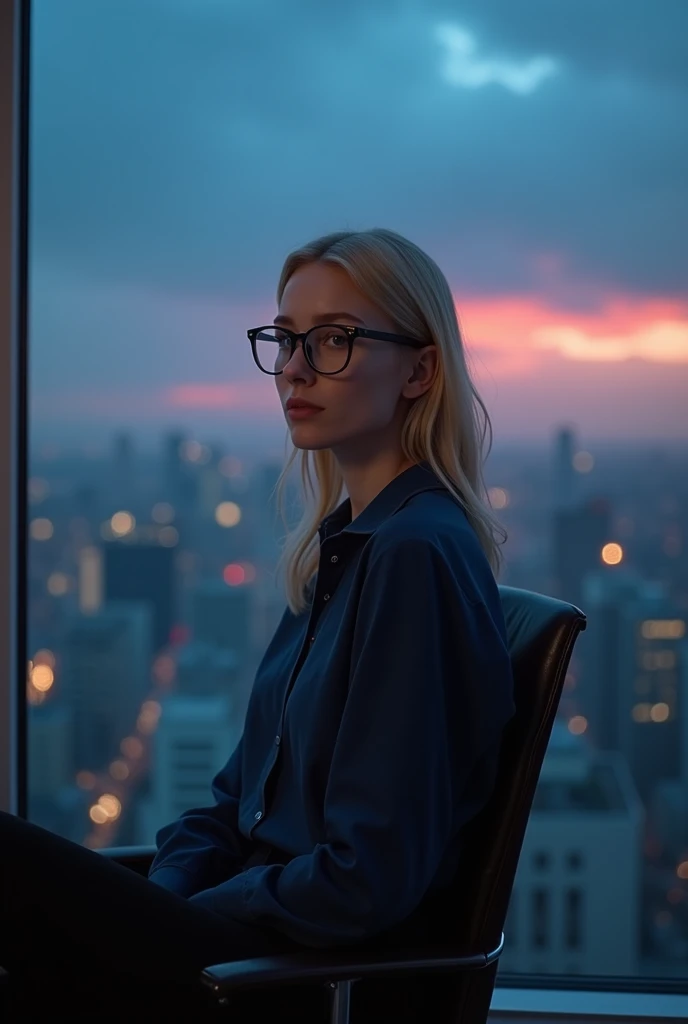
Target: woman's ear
(423, 373)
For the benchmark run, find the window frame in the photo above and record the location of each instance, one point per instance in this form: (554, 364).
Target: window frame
(14, 156)
(591, 997)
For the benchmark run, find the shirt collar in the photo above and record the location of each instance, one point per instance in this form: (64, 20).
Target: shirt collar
(412, 481)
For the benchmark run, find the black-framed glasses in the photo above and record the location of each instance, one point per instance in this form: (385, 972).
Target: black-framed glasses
(327, 347)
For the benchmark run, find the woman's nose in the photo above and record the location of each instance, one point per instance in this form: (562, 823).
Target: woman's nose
(298, 365)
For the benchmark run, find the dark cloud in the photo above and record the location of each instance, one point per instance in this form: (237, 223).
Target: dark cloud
(189, 144)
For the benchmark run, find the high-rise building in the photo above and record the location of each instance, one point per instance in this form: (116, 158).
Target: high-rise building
(652, 668)
(107, 658)
(194, 739)
(633, 661)
(564, 476)
(579, 535)
(269, 528)
(140, 571)
(122, 482)
(204, 670)
(575, 907)
(51, 750)
(598, 688)
(222, 616)
(178, 479)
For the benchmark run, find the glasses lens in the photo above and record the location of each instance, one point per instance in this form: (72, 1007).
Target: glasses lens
(273, 348)
(328, 348)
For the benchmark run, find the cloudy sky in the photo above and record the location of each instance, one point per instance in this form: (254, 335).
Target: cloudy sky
(537, 150)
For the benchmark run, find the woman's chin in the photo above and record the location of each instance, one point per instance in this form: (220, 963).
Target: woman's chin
(307, 439)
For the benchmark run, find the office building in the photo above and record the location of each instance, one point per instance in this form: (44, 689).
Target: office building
(193, 740)
(143, 572)
(575, 908)
(106, 675)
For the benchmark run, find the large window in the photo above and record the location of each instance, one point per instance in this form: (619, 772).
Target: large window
(179, 149)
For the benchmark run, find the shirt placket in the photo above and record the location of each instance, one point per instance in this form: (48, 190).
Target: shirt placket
(329, 574)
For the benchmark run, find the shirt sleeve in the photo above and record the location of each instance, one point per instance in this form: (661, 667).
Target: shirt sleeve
(417, 718)
(204, 845)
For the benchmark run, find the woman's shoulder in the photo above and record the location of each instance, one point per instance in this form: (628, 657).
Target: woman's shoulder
(429, 519)
(433, 525)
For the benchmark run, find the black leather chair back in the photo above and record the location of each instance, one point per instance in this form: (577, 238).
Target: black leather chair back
(542, 632)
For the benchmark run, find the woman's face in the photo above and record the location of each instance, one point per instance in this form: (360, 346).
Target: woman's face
(364, 406)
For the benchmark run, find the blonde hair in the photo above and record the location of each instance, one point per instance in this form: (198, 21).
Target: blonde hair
(447, 426)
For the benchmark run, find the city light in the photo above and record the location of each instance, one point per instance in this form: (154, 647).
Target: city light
(41, 529)
(44, 657)
(148, 718)
(42, 677)
(499, 497)
(85, 780)
(131, 746)
(641, 712)
(577, 725)
(194, 451)
(583, 462)
(234, 575)
(122, 523)
(663, 629)
(119, 770)
(227, 514)
(659, 712)
(682, 870)
(107, 809)
(659, 660)
(38, 490)
(162, 513)
(164, 670)
(612, 554)
(111, 805)
(230, 466)
(168, 536)
(58, 584)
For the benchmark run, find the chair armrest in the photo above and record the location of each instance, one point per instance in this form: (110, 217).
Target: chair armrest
(331, 966)
(138, 858)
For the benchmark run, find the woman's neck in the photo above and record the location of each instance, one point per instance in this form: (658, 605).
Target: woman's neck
(364, 478)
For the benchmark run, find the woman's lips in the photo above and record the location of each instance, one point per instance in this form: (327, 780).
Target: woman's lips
(302, 412)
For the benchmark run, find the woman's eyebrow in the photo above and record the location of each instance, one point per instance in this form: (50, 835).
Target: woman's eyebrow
(324, 318)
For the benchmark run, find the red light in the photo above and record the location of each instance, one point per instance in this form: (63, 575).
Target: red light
(234, 575)
(179, 634)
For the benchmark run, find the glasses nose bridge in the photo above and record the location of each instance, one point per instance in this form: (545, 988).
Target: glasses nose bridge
(297, 337)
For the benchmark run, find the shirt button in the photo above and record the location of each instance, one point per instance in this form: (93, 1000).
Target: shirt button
(258, 815)
(335, 558)
(326, 597)
(278, 740)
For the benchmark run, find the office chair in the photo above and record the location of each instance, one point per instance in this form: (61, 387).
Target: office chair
(455, 976)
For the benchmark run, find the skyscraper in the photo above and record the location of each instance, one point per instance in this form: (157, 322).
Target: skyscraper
(139, 571)
(107, 659)
(579, 534)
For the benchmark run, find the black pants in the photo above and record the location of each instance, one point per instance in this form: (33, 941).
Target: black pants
(83, 938)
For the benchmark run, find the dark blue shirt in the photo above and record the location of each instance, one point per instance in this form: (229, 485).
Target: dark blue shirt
(371, 736)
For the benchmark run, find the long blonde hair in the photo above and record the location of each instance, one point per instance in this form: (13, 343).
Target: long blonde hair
(448, 426)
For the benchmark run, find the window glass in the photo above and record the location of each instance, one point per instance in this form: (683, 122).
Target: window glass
(179, 150)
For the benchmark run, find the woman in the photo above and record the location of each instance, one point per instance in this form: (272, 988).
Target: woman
(374, 725)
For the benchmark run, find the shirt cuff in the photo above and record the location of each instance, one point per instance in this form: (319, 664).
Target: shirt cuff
(174, 879)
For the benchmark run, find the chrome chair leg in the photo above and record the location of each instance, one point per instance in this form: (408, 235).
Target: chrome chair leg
(341, 1002)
